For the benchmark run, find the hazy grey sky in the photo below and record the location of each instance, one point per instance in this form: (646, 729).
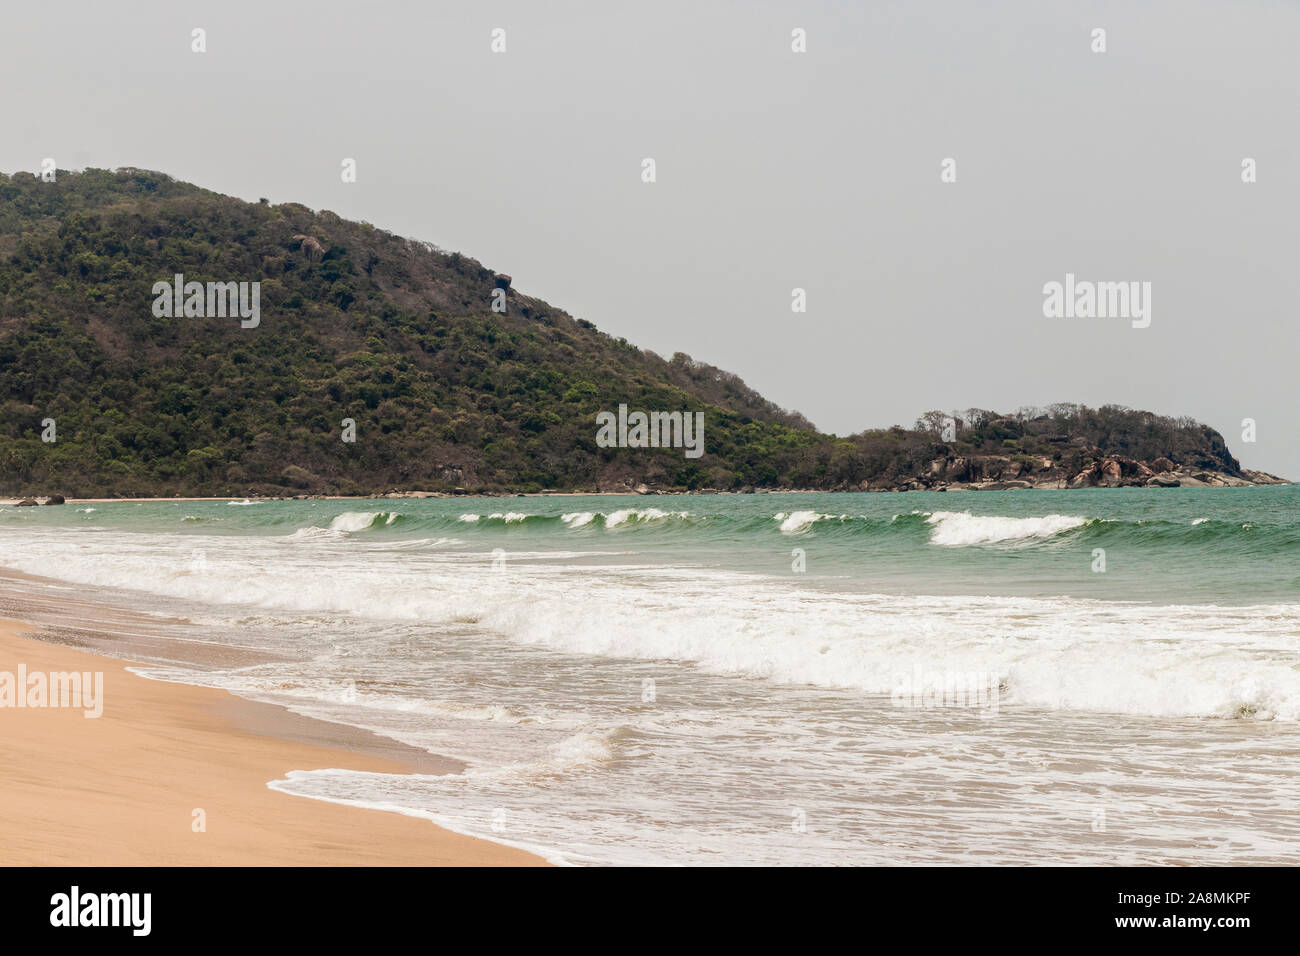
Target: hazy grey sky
(775, 170)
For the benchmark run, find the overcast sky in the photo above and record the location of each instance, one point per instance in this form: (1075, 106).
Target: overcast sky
(775, 170)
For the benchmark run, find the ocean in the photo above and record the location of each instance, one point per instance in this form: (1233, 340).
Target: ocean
(1021, 677)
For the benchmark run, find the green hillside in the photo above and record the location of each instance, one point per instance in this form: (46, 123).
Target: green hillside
(357, 323)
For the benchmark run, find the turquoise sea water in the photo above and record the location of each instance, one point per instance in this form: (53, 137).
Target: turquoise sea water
(1190, 545)
(756, 678)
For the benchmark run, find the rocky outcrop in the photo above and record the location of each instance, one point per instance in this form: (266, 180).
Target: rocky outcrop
(1109, 474)
(1085, 479)
(311, 247)
(977, 469)
(26, 503)
(1262, 478)
(54, 500)
(1113, 472)
(1008, 473)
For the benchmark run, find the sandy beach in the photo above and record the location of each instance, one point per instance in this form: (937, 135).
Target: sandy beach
(121, 789)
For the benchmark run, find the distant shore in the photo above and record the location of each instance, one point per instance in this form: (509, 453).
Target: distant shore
(408, 495)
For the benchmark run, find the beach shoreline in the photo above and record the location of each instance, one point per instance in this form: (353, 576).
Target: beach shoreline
(957, 487)
(174, 774)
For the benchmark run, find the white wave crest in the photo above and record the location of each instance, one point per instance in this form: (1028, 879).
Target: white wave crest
(626, 515)
(797, 521)
(314, 532)
(351, 521)
(954, 529)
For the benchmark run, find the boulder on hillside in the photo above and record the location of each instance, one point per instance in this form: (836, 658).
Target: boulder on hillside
(957, 469)
(1162, 465)
(1085, 479)
(310, 247)
(1263, 478)
(1132, 468)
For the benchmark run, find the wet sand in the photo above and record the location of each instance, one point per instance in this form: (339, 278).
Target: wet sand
(122, 789)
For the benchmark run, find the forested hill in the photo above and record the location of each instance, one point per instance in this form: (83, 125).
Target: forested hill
(400, 338)
(355, 323)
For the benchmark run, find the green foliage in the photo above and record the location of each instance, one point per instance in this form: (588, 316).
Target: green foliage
(396, 335)
(444, 392)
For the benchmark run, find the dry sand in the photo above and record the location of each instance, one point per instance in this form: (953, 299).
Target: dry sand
(120, 789)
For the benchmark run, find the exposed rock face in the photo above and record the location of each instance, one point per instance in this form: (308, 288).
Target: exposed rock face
(976, 468)
(1086, 478)
(1004, 473)
(311, 247)
(501, 280)
(1262, 478)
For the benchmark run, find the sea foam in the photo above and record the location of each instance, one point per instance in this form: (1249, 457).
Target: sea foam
(954, 529)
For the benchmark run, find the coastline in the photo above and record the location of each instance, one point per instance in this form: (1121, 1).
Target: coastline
(407, 495)
(121, 789)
